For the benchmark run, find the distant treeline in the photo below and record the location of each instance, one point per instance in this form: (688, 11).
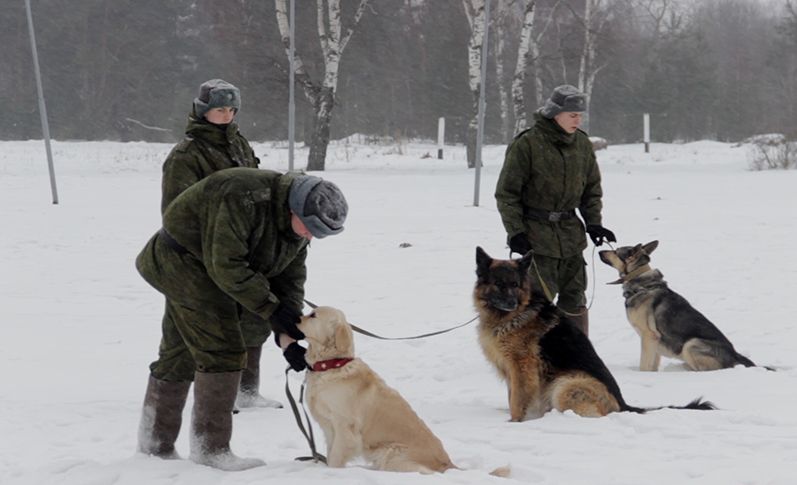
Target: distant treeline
(128, 69)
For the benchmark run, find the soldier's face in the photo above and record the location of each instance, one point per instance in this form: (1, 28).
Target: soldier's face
(569, 120)
(299, 228)
(220, 116)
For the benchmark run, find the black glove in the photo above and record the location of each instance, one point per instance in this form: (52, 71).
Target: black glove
(284, 320)
(294, 354)
(520, 244)
(600, 234)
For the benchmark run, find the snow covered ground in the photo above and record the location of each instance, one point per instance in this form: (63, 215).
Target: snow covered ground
(78, 326)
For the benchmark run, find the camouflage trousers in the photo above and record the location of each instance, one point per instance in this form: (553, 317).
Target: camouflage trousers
(564, 277)
(205, 340)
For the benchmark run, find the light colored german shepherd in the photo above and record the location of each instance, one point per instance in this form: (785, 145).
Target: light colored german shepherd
(545, 360)
(667, 324)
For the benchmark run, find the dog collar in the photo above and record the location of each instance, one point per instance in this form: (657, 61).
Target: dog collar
(631, 275)
(323, 365)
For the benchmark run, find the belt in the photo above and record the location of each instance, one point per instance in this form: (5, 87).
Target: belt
(550, 216)
(171, 242)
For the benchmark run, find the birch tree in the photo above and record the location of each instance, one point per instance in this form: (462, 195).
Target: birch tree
(593, 21)
(474, 10)
(529, 50)
(333, 39)
(503, 29)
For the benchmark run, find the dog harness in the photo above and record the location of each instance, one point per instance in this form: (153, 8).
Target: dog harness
(323, 365)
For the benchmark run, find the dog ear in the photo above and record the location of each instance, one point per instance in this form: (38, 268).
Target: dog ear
(344, 342)
(483, 261)
(651, 246)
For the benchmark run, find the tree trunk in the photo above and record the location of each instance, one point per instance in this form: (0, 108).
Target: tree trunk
(474, 9)
(503, 94)
(593, 25)
(519, 78)
(333, 39)
(319, 140)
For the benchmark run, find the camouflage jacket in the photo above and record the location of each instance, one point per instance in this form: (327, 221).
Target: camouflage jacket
(236, 228)
(550, 170)
(205, 150)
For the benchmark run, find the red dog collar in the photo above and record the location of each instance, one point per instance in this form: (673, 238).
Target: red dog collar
(323, 365)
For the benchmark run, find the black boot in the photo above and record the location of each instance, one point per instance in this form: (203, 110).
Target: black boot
(211, 422)
(161, 417)
(249, 392)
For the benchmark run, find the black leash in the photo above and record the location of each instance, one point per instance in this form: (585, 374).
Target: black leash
(308, 432)
(549, 294)
(369, 334)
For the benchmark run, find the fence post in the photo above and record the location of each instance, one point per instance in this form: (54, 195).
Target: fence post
(441, 136)
(646, 132)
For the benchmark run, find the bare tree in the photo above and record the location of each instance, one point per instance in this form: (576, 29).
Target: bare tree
(593, 21)
(503, 29)
(474, 10)
(529, 49)
(333, 39)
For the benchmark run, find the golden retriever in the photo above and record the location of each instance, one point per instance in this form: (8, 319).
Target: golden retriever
(360, 415)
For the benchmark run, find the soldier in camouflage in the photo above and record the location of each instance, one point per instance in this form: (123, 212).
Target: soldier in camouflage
(550, 171)
(236, 240)
(213, 143)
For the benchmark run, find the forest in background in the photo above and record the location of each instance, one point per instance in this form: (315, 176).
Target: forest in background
(128, 69)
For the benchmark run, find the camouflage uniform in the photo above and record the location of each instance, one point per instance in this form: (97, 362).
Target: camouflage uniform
(548, 170)
(228, 244)
(206, 149)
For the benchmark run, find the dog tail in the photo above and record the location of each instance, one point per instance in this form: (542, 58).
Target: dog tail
(741, 359)
(698, 404)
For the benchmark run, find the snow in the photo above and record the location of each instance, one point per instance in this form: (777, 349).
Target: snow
(79, 326)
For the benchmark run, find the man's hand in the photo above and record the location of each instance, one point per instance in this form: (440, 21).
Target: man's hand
(600, 234)
(294, 354)
(284, 320)
(520, 244)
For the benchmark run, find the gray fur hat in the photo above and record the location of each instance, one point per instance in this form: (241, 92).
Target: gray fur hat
(216, 93)
(319, 204)
(565, 98)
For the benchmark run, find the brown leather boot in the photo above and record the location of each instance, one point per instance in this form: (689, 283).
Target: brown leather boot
(249, 391)
(161, 417)
(581, 320)
(211, 422)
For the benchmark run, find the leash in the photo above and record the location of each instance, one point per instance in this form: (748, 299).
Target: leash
(373, 335)
(549, 294)
(308, 432)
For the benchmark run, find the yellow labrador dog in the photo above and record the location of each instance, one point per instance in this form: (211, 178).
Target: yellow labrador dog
(360, 415)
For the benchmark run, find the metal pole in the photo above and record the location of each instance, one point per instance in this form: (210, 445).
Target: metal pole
(42, 107)
(646, 131)
(482, 103)
(291, 101)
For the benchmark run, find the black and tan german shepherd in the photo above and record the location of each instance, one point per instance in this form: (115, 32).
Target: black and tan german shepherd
(545, 360)
(665, 321)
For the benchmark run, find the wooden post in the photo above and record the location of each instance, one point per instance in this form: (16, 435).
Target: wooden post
(646, 133)
(441, 136)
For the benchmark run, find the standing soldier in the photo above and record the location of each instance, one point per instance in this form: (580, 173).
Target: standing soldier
(550, 171)
(214, 143)
(236, 239)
